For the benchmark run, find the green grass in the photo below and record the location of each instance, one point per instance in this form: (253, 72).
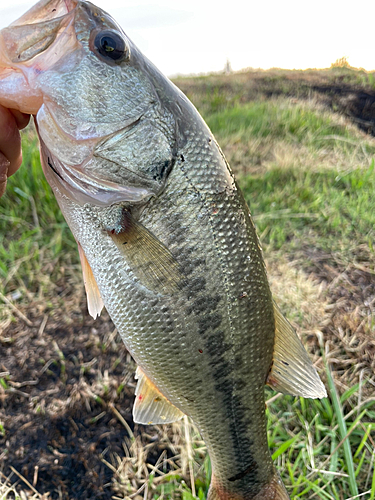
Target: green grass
(353, 76)
(32, 228)
(280, 120)
(328, 208)
(317, 459)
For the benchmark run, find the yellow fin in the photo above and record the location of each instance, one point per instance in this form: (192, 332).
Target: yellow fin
(292, 371)
(94, 301)
(150, 406)
(150, 261)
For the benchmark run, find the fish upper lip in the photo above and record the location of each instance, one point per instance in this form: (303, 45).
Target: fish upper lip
(23, 42)
(44, 11)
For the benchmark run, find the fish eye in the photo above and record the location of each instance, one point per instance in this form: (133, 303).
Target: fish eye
(111, 45)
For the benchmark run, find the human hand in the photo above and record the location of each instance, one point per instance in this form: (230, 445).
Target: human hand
(11, 122)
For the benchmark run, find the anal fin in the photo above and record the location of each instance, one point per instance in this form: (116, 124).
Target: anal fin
(94, 301)
(150, 406)
(292, 371)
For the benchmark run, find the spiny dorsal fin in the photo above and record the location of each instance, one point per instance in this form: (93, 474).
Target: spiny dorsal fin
(150, 406)
(94, 301)
(292, 371)
(149, 259)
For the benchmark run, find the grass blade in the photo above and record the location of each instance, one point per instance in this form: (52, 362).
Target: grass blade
(343, 432)
(284, 447)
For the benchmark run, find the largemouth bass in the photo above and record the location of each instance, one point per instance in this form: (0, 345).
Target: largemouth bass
(165, 238)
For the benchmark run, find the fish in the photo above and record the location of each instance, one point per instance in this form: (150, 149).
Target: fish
(165, 237)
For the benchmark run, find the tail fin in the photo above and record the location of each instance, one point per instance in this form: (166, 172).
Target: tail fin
(275, 490)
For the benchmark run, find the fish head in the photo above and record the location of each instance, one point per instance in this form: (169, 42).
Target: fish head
(107, 119)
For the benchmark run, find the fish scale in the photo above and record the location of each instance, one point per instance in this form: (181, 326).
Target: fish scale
(165, 238)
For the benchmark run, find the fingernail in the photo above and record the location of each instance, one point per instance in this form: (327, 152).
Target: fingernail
(4, 165)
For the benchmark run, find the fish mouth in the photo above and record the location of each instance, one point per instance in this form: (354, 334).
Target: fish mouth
(24, 54)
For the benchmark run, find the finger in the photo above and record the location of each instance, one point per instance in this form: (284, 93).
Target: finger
(10, 140)
(22, 119)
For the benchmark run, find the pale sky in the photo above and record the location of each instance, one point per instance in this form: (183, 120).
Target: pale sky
(198, 36)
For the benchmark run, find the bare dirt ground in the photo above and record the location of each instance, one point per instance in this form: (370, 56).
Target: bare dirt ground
(66, 407)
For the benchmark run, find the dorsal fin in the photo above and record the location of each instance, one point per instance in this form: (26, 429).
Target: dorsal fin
(292, 371)
(94, 301)
(150, 406)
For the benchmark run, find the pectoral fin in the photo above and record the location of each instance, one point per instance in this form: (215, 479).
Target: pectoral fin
(292, 371)
(94, 301)
(150, 261)
(150, 406)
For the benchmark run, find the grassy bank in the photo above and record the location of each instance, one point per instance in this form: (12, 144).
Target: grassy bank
(309, 179)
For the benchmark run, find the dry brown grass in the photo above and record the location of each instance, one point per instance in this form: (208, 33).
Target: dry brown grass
(256, 155)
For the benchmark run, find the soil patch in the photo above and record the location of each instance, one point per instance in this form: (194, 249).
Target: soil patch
(63, 388)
